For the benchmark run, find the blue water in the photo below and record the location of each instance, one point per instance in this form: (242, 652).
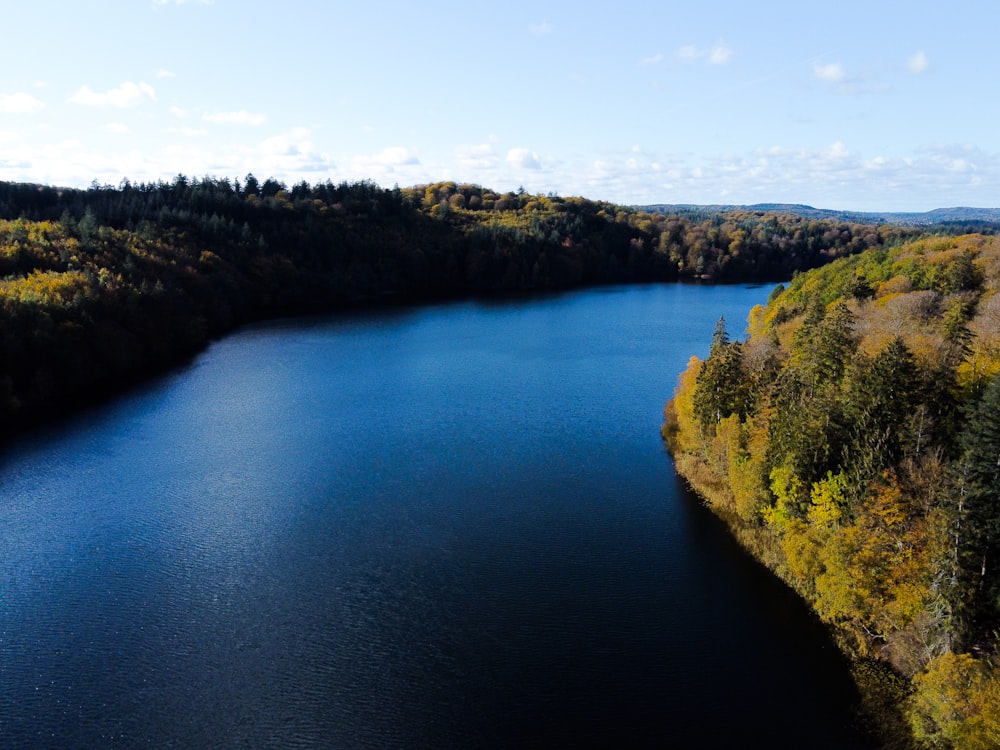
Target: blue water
(451, 526)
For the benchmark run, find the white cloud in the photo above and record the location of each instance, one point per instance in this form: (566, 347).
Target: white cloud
(12, 166)
(831, 72)
(127, 95)
(164, 73)
(718, 54)
(481, 156)
(285, 156)
(523, 158)
(833, 176)
(178, 112)
(187, 132)
(19, 104)
(836, 151)
(236, 118)
(918, 63)
(295, 142)
(652, 59)
(397, 156)
(688, 53)
(542, 28)
(117, 127)
(835, 155)
(393, 164)
(962, 158)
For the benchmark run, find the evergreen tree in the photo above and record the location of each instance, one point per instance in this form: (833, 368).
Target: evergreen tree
(980, 517)
(824, 344)
(878, 401)
(721, 389)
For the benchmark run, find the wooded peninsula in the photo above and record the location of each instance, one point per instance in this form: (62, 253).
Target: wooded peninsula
(851, 441)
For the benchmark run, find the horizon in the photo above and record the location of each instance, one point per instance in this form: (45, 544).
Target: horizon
(241, 180)
(649, 105)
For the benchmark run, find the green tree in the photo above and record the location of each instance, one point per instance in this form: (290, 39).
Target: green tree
(250, 185)
(824, 344)
(980, 509)
(961, 275)
(879, 399)
(721, 388)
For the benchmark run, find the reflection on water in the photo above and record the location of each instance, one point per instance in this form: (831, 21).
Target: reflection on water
(446, 527)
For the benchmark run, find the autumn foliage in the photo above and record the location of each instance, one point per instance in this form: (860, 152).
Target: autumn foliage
(853, 442)
(104, 285)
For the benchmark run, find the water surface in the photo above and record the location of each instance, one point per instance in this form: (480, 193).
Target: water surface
(452, 526)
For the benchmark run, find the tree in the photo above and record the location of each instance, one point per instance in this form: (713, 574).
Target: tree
(962, 275)
(957, 704)
(721, 388)
(270, 188)
(681, 428)
(824, 344)
(879, 399)
(87, 226)
(979, 519)
(250, 185)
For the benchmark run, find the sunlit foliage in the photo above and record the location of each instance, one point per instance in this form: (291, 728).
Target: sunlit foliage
(879, 437)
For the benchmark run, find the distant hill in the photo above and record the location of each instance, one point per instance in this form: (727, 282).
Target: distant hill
(955, 215)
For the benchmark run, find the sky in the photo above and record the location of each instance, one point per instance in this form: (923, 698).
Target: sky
(866, 106)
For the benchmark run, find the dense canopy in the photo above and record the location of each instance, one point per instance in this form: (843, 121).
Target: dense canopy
(852, 441)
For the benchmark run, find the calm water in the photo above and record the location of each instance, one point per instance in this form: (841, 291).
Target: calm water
(449, 527)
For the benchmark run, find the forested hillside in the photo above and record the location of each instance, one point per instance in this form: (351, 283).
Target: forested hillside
(100, 286)
(954, 220)
(852, 442)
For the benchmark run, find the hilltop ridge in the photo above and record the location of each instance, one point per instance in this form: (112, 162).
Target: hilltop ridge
(953, 215)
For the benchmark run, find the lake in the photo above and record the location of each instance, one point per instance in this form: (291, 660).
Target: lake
(452, 526)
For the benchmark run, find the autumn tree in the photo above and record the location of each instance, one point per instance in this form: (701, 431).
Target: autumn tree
(956, 704)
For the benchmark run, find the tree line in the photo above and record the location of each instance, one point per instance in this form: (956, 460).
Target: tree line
(102, 285)
(852, 442)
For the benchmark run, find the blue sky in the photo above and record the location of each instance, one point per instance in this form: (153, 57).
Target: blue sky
(847, 105)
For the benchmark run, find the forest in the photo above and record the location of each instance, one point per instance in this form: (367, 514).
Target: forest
(851, 441)
(99, 287)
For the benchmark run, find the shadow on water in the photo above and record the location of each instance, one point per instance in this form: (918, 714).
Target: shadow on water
(824, 716)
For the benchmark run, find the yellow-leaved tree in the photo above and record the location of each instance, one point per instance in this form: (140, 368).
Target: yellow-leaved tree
(956, 704)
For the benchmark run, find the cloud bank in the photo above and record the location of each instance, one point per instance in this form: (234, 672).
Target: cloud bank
(127, 95)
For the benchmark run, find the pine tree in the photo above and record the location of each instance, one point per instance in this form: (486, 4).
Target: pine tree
(979, 555)
(879, 399)
(721, 387)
